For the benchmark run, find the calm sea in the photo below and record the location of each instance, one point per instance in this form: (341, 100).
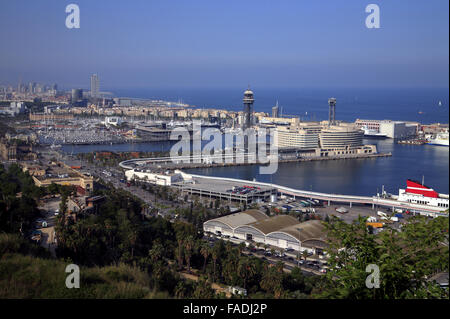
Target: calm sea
(312, 104)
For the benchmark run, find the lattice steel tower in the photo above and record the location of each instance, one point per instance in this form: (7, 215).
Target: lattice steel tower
(248, 108)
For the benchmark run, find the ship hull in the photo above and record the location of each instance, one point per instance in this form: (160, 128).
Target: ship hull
(435, 144)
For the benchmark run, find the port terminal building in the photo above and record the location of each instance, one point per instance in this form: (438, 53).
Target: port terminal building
(163, 178)
(225, 190)
(322, 140)
(388, 128)
(281, 231)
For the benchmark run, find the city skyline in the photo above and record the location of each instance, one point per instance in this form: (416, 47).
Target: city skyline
(242, 152)
(204, 44)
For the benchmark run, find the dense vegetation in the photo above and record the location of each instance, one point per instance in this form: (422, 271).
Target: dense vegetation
(124, 253)
(406, 259)
(18, 196)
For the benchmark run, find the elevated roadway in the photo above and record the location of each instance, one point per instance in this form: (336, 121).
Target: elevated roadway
(335, 198)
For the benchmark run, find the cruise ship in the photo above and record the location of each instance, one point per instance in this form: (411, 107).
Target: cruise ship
(417, 193)
(441, 139)
(372, 133)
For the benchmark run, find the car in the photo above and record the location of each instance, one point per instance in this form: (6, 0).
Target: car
(323, 270)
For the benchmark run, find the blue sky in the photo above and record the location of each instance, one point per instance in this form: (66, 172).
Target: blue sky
(218, 43)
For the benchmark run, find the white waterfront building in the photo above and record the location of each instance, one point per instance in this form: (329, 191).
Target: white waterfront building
(166, 178)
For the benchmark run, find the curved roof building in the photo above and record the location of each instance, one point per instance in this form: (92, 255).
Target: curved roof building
(281, 231)
(235, 220)
(341, 136)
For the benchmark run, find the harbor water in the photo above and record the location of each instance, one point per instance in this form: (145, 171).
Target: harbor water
(351, 176)
(355, 176)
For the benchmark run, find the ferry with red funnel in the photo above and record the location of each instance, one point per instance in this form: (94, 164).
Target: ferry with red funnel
(418, 193)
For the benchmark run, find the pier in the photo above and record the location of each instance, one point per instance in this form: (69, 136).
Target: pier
(219, 187)
(207, 161)
(210, 186)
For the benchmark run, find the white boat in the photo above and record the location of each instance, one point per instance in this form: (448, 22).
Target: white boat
(372, 133)
(441, 139)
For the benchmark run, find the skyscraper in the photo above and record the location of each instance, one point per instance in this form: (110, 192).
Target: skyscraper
(275, 111)
(95, 86)
(77, 95)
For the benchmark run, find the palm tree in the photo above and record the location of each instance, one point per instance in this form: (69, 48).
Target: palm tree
(188, 250)
(205, 251)
(132, 237)
(156, 252)
(179, 253)
(215, 256)
(305, 254)
(266, 246)
(272, 280)
(241, 247)
(180, 290)
(246, 269)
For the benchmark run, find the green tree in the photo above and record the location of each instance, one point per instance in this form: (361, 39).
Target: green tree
(205, 251)
(189, 246)
(406, 259)
(272, 279)
(246, 269)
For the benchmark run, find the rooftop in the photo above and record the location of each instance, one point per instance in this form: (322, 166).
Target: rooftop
(309, 230)
(276, 223)
(243, 218)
